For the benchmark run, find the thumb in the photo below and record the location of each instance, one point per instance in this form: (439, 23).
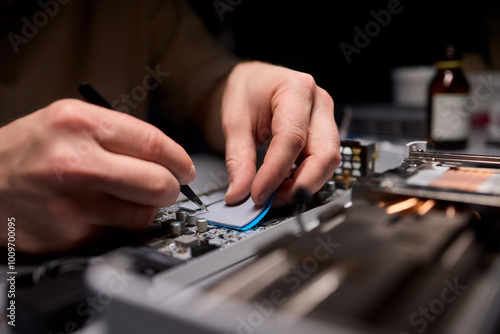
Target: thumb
(240, 163)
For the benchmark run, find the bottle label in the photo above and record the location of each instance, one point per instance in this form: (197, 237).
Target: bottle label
(450, 118)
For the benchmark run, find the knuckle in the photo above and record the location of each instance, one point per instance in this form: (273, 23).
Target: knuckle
(300, 86)
(304, 84)
(282, 173)
(326, 98)
(159, 186)
(59, 155)
(164, 188)
(296, 138)
(231, 162)
(56, 153)
(306, 81)
(336, 157)
(331, 160)
(232, 124)
(153, 145)
(171, 192)
(63, 158)
(66, 113)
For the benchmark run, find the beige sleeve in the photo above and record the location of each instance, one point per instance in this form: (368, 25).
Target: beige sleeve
(181, 46)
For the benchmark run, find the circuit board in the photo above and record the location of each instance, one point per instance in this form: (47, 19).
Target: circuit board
(191, 242)
(188, 241)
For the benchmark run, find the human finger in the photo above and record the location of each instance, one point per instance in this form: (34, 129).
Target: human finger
(240, 159)
(124, 134)
(291, 115)
(321, 153)
(110, 211)
(133, 180)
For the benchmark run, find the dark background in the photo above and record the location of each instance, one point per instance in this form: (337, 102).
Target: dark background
(305, 35)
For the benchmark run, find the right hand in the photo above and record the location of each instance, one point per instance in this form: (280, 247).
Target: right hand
(72, 170)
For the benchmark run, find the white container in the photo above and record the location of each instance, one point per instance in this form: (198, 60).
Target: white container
(410, 85)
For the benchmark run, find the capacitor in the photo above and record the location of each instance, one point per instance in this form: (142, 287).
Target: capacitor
(329, 186)
(327, 190)
(165, 225)
(180, 215)
(191, 219)
(175, 228)
(201, 224)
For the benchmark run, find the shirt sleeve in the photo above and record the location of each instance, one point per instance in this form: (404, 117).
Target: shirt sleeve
(181, 46)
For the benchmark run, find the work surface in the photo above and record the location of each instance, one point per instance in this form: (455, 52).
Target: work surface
(211, 175)
(368, 267)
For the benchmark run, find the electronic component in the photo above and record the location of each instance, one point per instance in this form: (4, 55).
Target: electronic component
(202, 248)
(201, 225)
(175, 228)
(147, 261)
(417, 249)
(173, 245)
(180, 216)
(357, 160)
(468, 179)
(165, 225)
(327, 190)
(186, 241)
(191, 219)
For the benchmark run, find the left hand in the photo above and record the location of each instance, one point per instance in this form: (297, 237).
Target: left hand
(263, 101)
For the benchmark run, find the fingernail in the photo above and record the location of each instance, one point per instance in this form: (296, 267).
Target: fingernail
(192, 173)
(228, 192)
(263, 198)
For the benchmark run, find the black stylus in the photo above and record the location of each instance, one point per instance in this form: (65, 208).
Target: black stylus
(92, 96)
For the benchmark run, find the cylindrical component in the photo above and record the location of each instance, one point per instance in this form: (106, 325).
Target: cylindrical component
(180, 215)
(175, 228)
(201, 224)
(448, 116)
(191, 219)
(165, 225)
(329, 186)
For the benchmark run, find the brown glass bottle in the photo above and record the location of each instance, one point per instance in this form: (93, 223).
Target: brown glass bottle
(448, 118)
